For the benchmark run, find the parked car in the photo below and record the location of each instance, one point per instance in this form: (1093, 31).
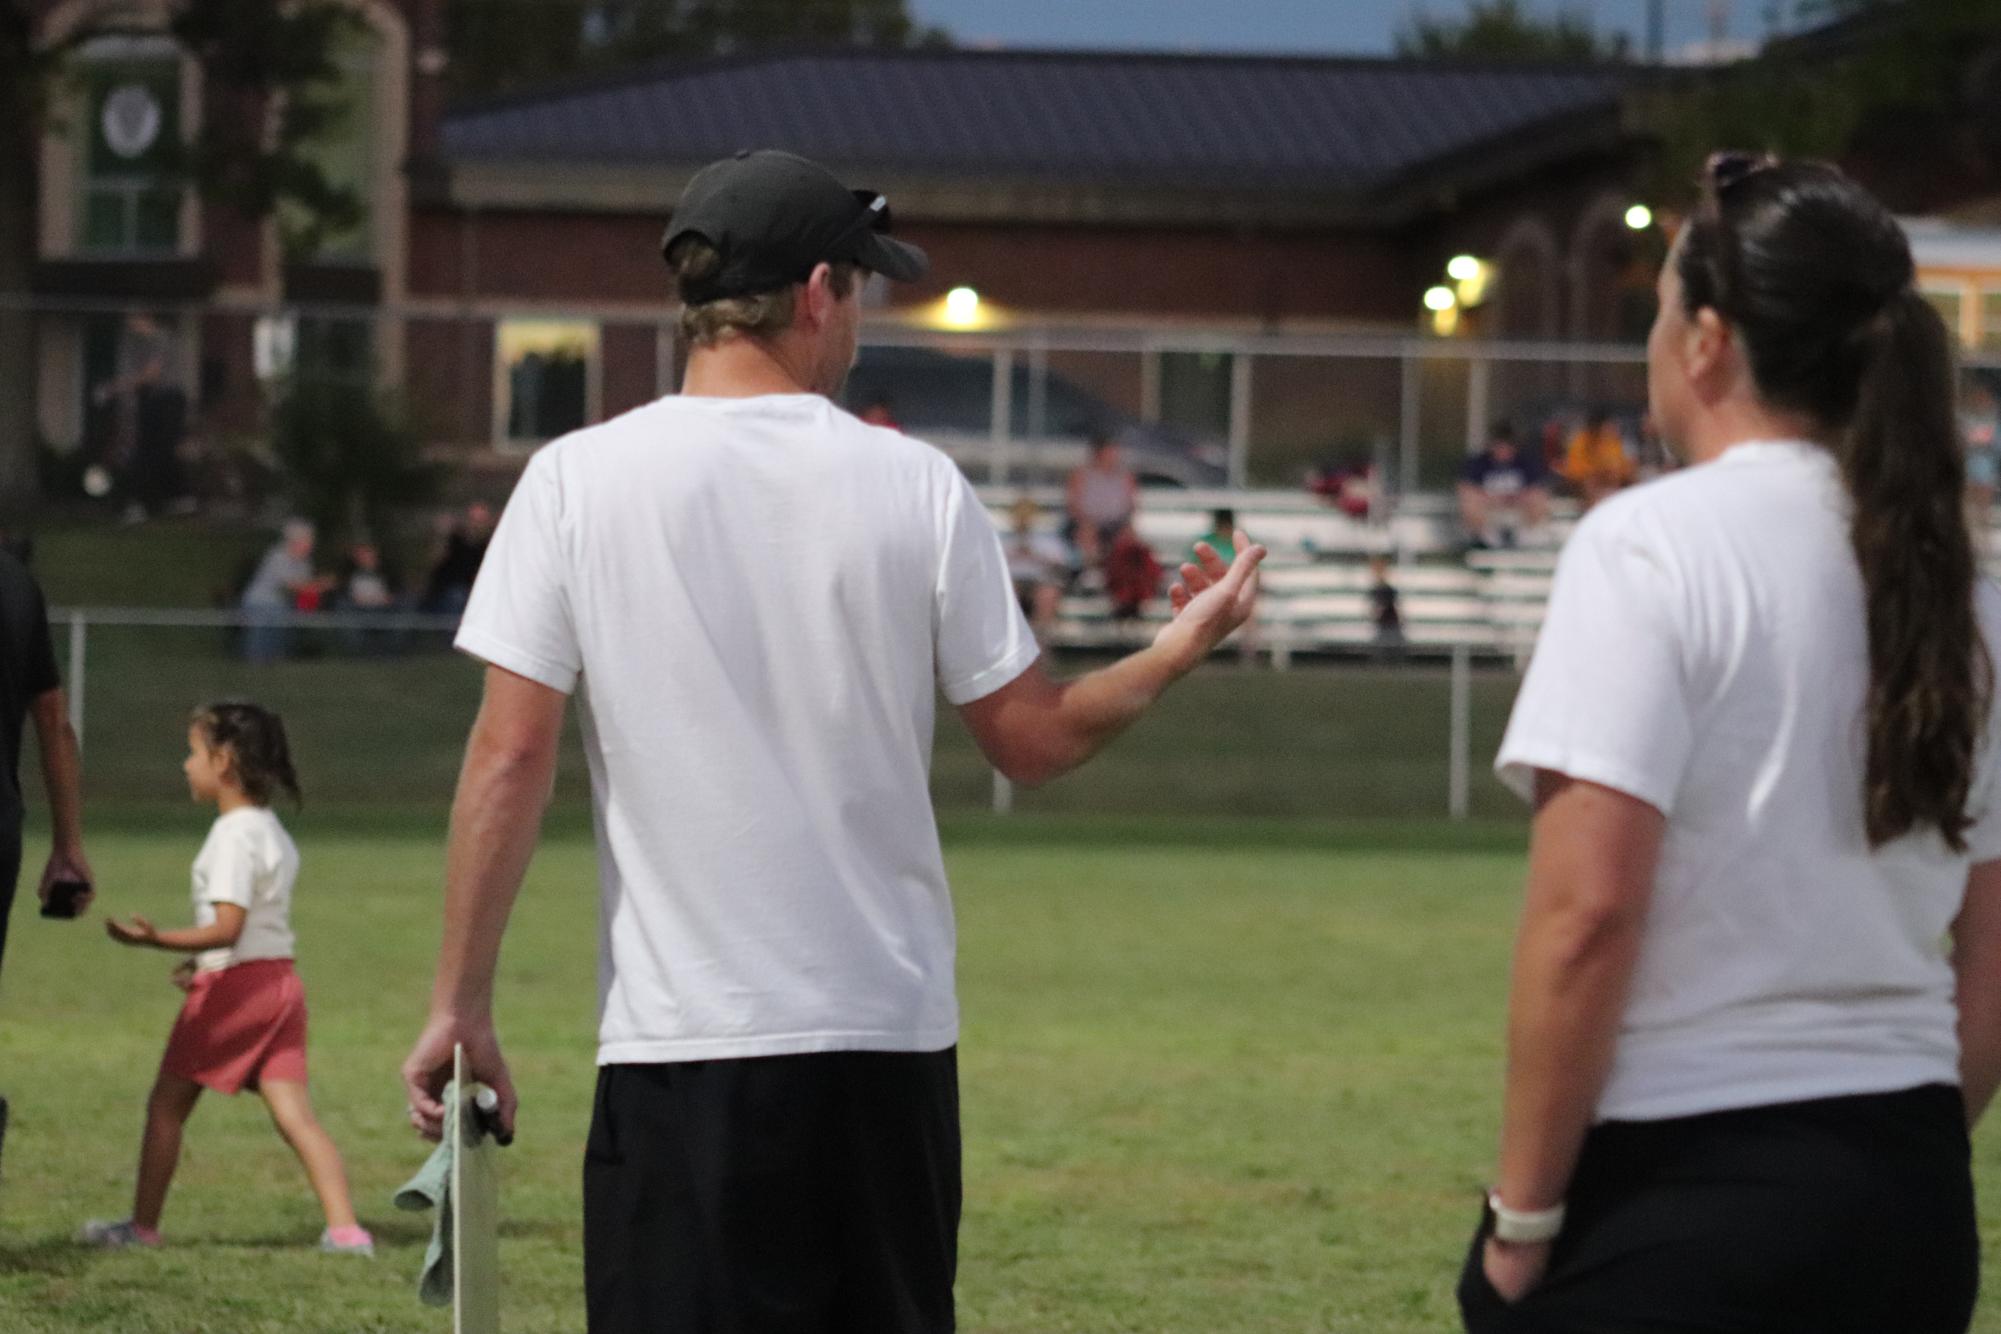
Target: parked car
(947, 400)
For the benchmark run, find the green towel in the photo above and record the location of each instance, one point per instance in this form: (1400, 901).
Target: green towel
(432, 1188)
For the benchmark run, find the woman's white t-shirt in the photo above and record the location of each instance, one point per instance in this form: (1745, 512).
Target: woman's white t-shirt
(1705, 651)
(248, 860)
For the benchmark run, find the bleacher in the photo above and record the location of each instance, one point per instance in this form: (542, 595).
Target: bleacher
(1316, 583)
(1317, 580)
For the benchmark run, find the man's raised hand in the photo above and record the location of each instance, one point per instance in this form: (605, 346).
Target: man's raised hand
(1212, 600)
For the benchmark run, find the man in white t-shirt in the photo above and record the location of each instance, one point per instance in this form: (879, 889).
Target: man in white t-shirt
(757, 599)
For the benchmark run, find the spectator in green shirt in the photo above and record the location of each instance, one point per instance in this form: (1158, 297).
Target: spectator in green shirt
(1221, 535)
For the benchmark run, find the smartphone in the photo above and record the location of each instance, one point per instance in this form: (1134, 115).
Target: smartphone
(65, 898)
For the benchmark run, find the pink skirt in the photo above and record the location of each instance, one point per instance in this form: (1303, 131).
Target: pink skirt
(240, 1025)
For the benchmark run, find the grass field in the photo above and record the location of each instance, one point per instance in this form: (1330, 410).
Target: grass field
(1218, 1076)
(384, 734)
(1231, 1055)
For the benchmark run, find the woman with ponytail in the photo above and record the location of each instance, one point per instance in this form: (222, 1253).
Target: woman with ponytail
(1757, 981)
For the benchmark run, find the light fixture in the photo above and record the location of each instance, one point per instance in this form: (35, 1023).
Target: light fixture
(1470, 276)
(962, 308)
(1639, 217)
(1440, 299)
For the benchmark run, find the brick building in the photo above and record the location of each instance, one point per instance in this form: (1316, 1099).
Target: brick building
(506, 277)
(114, 238)
(1284, 195)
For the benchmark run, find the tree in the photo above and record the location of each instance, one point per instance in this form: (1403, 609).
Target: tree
(501, 44)
(351, 459)
(1907, 93)
(24, 74)
(1506, 30)
(270, 75)
(277, 64)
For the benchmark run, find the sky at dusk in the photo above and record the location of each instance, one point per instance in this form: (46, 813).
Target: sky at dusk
(1364, 27)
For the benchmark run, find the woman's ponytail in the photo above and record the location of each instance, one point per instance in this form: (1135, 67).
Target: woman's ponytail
(1930, 675)
(1816, 277)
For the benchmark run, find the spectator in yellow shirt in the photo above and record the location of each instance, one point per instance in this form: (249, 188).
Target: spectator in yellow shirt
(1596, 461)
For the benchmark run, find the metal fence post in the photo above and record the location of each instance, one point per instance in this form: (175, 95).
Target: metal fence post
(1240, 420)
(77, 637)
(998, 463)
(1038, 390)
(1479, 393)
(1459, 798)
(1413, 368)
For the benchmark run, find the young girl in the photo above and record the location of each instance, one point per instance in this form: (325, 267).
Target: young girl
(244, 1022)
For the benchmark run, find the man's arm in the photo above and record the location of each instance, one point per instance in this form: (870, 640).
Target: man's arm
(1035, 729)
(504, 788)
(62, 777)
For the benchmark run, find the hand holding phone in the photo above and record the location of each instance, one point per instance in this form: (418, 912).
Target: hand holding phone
(66, 898)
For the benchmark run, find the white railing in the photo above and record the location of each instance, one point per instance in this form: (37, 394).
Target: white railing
(80, 619)
(1458, 793)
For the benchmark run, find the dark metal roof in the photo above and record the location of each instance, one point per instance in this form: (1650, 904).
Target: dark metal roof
(1337, 125)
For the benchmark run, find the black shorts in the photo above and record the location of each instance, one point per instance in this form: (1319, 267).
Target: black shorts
(812, 1194)
(1838, 1216)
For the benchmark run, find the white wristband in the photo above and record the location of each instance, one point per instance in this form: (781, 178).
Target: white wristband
(1524, 1227)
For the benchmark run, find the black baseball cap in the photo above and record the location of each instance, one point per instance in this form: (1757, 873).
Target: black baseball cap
(773, 216)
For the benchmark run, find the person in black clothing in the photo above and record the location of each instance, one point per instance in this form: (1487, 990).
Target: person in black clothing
(465, 548)
(1384, 612)
(30, 688)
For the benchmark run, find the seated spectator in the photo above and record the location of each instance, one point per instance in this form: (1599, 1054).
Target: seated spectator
(367, 590)
(1553, 440)
(283, 583)
(1502, 491)
(1222, 535)
(1132, 575)
(465, 546)
(1101, 499)
(367, 587)
(1350, 489)
(878, 411)
(1596, 461)
(1039, 564)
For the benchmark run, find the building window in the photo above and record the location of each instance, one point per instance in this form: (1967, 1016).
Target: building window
(131, 108)
(344, 151)
(545, 379)
(1950, 303)
(1990, 319)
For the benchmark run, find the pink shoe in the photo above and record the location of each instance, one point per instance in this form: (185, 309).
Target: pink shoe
(347, 1241)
